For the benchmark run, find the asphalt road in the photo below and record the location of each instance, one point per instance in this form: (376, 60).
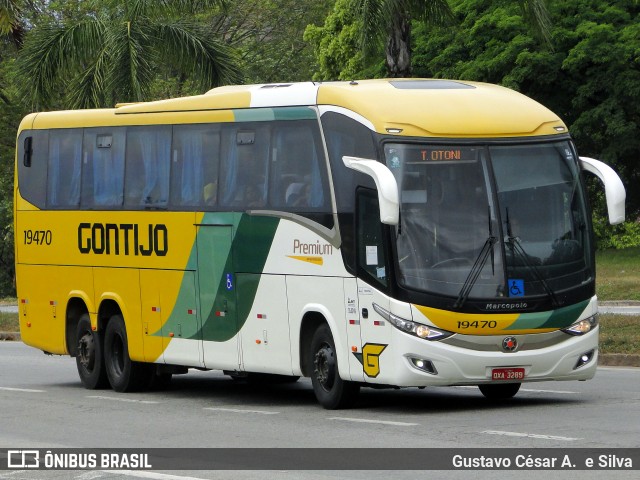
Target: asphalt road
(43, 405)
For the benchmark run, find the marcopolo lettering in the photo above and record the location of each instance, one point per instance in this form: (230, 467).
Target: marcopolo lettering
(123, 239)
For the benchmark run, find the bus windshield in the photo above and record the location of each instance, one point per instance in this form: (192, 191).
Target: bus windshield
(490, 221)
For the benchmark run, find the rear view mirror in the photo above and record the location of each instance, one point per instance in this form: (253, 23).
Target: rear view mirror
(613, 188)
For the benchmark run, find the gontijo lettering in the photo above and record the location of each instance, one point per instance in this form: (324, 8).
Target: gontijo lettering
(123, 239)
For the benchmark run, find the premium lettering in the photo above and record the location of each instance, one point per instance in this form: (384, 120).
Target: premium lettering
(312, 248)
(123, 239)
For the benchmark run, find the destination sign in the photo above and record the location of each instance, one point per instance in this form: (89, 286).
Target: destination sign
(446, 154)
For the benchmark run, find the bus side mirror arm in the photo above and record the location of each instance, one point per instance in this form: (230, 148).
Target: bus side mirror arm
(388, 197)
(613, 188)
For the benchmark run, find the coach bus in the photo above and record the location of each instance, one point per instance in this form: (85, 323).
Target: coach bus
(403, 233)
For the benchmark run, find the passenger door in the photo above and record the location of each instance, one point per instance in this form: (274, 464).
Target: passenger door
(372, 284)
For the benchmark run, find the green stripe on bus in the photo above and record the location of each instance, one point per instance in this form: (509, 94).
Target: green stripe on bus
(561, 318)
(270, 114)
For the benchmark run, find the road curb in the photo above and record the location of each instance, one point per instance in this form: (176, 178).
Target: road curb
(9, 336)
(619, 360)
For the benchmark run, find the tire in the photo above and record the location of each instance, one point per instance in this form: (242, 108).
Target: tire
(90, 357)
(124, 375)
(501, 391)
(331, 391)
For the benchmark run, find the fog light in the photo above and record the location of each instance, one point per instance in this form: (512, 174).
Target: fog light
(584, 359)
(423, 365)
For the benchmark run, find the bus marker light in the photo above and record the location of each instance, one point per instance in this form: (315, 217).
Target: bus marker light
(258, 341)
(191, 312)
(155, 309)
(93, 329)
(220, 314)
(354, 349)
(171, 335)
(262, 316)
(29, 324)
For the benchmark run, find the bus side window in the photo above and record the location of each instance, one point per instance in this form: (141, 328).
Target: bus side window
(32, 178)
(372, 259)
(245, 166)
(103, 167)
(65, 167)
(147, 166)
(194, 165)
(297, 170)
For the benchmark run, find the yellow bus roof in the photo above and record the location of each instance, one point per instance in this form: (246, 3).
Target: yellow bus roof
(406, 107)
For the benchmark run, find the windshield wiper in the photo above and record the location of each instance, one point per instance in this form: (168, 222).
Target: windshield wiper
(518, 249)
(477, 267)
(474, 273)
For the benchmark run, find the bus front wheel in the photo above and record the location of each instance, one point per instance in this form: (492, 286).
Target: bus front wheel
(124, 374)
(89, 358)
(331, 391)
(502, 391)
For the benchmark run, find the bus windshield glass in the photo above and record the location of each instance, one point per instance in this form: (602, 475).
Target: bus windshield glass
(490, 221)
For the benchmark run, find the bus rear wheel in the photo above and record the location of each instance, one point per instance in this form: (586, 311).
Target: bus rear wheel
(124, 374)
(502, 391)
(331, 391)
(89, 358)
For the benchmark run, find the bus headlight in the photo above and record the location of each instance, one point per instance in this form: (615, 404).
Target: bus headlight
(582, 326)
(417, 329)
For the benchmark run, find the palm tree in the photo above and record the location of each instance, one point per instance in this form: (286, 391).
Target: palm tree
(10, 25)
(113, 53)
(390, 21)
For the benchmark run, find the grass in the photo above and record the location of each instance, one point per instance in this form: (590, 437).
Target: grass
(618, 274)
(619, 334)
(9, 322)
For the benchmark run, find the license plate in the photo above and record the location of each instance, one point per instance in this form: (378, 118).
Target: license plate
(507, 373)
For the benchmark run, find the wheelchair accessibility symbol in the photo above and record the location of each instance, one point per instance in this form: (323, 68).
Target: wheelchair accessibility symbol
(229, 281)
(516, 287)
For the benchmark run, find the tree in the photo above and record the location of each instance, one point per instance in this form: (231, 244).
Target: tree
(390, 21)
(268, 35)
(10, 24)
(337, 45)
(113, 52)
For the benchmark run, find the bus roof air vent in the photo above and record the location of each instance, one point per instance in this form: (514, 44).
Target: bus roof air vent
(430, 85)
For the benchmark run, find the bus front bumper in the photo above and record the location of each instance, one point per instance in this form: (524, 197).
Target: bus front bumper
(416, 362)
